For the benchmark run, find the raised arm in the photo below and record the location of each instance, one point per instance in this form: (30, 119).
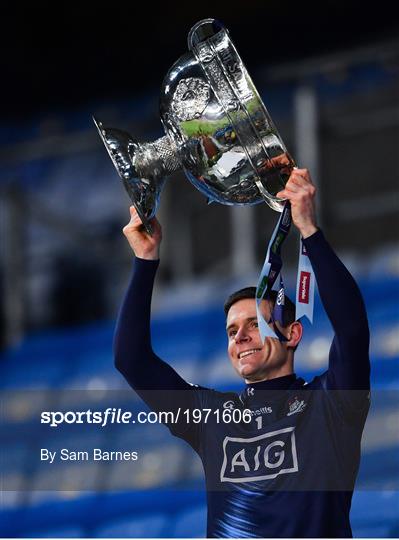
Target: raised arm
(349, 365)
(134, 356)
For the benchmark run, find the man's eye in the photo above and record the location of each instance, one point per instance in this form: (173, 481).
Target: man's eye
(255, 323)
(232, 333)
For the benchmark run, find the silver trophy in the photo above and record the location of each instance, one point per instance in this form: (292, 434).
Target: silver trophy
(217, 130)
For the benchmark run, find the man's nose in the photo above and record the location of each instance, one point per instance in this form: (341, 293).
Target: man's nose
(241, 336)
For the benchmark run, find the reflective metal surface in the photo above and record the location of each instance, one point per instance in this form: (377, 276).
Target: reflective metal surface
(217, 130)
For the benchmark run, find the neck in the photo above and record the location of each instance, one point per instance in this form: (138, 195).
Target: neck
(271, 386)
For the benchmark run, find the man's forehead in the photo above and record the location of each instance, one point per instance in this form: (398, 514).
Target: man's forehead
(243, 310)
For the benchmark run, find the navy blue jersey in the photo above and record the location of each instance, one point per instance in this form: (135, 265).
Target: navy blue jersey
(289, 469)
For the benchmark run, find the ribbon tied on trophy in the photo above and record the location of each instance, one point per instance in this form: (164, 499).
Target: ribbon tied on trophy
(219, 132)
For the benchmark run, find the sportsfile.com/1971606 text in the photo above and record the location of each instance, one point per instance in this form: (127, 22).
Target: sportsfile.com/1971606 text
(113, 415)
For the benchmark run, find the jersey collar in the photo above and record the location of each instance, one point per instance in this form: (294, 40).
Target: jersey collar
(271, 388)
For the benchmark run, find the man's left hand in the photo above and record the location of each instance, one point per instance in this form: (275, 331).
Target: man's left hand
(300, 191)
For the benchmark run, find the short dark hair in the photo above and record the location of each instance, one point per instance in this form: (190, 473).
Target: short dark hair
(250, 292)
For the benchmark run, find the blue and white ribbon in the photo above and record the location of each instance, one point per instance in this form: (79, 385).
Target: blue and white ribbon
(272, 269)
(305, 286)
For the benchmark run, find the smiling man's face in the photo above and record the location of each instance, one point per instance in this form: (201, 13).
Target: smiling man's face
(253, 360)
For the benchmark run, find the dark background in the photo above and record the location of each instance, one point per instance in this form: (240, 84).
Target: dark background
(65, 54)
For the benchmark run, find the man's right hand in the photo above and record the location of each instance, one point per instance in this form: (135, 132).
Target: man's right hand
(143, 245)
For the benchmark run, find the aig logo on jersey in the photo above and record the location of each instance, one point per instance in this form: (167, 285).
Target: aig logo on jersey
(259, 458)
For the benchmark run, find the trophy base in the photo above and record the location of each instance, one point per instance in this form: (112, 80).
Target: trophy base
(141, 167)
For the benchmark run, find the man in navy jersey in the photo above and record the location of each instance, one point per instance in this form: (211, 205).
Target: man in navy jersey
(288, 468)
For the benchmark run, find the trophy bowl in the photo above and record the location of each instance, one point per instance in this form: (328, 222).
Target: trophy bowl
(217, 130)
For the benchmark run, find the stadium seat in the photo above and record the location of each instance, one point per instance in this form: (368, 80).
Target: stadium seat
(62, 532)
(149, 526)
(191, 523)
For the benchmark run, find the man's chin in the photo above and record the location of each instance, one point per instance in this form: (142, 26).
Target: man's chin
(246, 370)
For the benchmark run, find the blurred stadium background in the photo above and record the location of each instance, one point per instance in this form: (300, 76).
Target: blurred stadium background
(332, 89)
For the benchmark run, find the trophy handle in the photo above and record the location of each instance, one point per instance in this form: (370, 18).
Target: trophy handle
(203, 30)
